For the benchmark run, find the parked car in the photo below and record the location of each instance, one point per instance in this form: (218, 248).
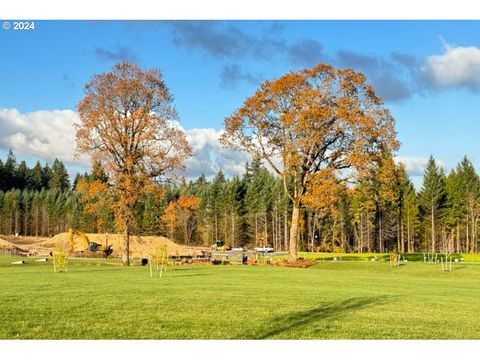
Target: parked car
(264, 249)
(237, 248)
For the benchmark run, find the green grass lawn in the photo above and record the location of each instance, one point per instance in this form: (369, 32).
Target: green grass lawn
(333, 300)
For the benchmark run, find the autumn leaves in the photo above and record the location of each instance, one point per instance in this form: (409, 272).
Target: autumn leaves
(308, 126)
(126, 124)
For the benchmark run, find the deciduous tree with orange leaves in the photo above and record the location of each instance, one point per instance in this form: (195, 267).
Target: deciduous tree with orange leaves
(96, 199)
(182, 213)
(187, 206)
(308, 121)
(170, 219)
(127, 123)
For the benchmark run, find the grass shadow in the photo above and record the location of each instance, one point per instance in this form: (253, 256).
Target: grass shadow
(171, 268)
(191, 275)
(306, 318)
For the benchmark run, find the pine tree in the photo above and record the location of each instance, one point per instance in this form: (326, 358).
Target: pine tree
(9, 171)
(3, 184)
(411, 215)
(2, 217)
(469, 184)
(46, 176)
(216, 206)
(456, 210)
(59, 178)
(76, 180)
(27, 197)
(386, 184)
(16, 210)
(363, 209)
(98, 172)
(36, 178)
(21, 175)
(432, 198)
(257, 202)
(233, 206)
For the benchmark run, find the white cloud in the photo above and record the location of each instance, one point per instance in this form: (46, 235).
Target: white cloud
(457, 67)
(209, 156)
(46, 135)
(416, 166)
(43, 134)
(50, 134)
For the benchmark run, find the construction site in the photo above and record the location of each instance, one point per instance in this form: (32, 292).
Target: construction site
(94, 245)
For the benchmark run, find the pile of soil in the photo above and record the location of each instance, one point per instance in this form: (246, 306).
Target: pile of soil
(13, 247)
(6, 245)
(24, 240)
(140, 246)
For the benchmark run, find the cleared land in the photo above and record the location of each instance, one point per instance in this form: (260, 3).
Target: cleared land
(332, 300)
(140, 246)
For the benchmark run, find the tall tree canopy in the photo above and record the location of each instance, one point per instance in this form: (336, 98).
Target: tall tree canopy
(127, 124)
(308, 121)
(59, 179)
(433, 196)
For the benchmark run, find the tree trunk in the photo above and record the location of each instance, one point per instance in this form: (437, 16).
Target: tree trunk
(433, 230)
(409, 243)
(225, 227)
(369, 240)
(233, 229)
(36, 222)
(292, 255)
(458, 238)
(126, 247)
(185, 231)
(25, 223)
(474, 236)
(380, 235)
(17, 230)
(361, 233)
(452, 240)
(274, 231)
(313, 232)
(468, 238)
(256, 229)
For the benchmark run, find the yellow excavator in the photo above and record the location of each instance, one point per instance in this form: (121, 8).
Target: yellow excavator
(220, 246)
(89, 246)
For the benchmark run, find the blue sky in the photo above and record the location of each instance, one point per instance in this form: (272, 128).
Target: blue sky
(428, 73)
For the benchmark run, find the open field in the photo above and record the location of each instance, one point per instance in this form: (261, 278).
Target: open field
(347, 300)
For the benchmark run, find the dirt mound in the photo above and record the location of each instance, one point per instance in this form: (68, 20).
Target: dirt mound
(140, 246)
(24, 240)
(4, 244)
(12, 248)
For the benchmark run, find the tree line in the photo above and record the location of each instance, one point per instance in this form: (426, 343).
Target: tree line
(379, 212)
(332, 183)
(21, 177)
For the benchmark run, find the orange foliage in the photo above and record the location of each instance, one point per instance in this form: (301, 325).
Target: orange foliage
(182, 212)
(322, 191)
(170, 218)
(308, 123)
(97, 198)
(188, 203)
(127, 124)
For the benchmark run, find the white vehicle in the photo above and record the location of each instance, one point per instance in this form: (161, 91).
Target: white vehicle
(264, 249)
(237, 248)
